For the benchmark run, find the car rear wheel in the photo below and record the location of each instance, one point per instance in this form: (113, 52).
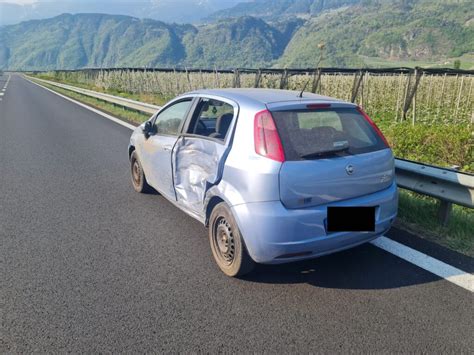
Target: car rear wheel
(227, 245)
(138, 176)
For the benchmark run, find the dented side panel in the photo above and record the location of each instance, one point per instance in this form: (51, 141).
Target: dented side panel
(197, 166)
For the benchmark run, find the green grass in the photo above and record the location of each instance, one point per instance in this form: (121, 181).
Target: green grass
(418, 213)
(125, 114)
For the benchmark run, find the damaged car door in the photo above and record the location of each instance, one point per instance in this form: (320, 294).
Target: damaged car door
(157, 148)
(199, 153)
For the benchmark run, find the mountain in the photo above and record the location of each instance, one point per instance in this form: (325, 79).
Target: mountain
(241, 42)
(392, 30)
(97, 40)
(180, 11)
(276, 9)
(369, 31)
(89, 40)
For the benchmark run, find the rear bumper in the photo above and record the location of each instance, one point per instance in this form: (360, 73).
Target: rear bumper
(274, 234)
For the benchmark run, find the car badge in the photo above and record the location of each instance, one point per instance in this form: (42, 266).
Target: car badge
(350, 169)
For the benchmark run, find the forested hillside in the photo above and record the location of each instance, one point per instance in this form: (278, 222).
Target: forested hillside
(349, 32)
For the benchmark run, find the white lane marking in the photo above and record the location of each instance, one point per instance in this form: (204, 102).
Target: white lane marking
(443, 270)
(112, 118)
(428, 263)
(1, 94)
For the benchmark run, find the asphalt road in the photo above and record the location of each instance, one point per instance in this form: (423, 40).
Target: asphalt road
(88, 265)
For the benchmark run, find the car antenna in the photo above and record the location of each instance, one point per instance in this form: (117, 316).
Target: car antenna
(300, 95)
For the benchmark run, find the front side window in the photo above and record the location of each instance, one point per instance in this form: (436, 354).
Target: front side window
(169, 120)
(213, 119)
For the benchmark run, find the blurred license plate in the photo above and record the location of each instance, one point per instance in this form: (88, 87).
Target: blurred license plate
(351, 219)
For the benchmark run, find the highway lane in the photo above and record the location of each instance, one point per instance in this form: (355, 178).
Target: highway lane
(88, 265)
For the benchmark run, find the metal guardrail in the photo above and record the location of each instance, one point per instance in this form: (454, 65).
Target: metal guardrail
(447, 185)
(121, 101)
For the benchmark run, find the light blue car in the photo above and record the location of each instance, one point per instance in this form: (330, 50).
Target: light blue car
(277, 176)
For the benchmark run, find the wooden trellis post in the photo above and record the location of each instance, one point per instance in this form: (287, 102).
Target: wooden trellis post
(469, 97)
(397, 108)
(236, 83)
(413, 120)
(316, 80)
(216, 76)
(177, 81)
(459, 98)
(410, 92)
(189, 79)
(356, 85)
(441, 98)
(203, 85)
(258, 77)
(284, 80)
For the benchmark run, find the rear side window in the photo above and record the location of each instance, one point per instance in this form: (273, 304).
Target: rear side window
(321, 133)
(212, 119)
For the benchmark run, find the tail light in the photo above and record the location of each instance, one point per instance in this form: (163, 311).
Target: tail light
(374, 126)
(267, 139)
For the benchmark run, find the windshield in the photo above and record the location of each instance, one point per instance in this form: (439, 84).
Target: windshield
(315, 134)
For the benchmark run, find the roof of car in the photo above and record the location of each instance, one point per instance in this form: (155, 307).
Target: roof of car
(263, 96)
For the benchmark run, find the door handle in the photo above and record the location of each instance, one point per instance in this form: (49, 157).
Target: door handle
(166, 148)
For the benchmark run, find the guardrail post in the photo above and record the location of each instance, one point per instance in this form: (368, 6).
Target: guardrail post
(444, 212)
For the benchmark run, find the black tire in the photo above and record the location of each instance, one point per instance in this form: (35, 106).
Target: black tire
(139, 182)
(227, 245)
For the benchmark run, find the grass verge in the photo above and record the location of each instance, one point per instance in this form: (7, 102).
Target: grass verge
(114, 110)
(418, 214)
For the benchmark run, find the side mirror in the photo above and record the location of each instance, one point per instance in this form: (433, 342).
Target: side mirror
(149, 129)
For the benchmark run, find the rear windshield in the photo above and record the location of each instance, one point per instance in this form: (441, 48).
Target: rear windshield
(321, 133)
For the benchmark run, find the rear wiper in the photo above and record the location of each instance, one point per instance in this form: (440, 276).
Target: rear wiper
(325, 153)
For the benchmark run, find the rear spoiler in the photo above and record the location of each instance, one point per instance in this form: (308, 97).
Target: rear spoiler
(307, 105)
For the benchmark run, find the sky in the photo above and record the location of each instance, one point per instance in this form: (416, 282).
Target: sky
(20, 2)
(181, 11)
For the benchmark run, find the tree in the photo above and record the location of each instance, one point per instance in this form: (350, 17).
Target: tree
(457, 64)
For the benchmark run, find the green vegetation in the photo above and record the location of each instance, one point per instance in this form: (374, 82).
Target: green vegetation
(443, 145)
(419, 214)
(355, 33)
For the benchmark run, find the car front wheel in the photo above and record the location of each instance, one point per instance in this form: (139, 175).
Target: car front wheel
(138, 176)
(227, 245)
